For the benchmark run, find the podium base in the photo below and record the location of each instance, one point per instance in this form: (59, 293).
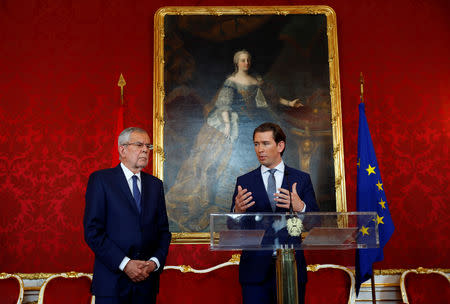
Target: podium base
(286, 267)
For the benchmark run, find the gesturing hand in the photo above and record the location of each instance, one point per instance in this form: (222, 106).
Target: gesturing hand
(243, 200)
(283, 199)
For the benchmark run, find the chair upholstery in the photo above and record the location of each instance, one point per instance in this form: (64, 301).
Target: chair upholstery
(11, 289)
(184, 284)
(425, 286)
(329, 283)
(70, 287)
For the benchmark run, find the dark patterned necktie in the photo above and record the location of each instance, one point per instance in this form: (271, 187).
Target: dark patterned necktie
(136, 193)
(272, 188)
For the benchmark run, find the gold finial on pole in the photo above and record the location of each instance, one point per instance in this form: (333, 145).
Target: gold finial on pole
(361, 81)
(121, 84)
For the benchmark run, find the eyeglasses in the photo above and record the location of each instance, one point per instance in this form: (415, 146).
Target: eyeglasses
(139, 145)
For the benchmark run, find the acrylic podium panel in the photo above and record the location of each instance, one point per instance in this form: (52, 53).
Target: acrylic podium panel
(307, 231)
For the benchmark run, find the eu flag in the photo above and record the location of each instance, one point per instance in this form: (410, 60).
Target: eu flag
(370, 196)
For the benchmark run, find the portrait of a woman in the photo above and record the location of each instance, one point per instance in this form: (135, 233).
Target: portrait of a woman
(219, 77)
(223, 148)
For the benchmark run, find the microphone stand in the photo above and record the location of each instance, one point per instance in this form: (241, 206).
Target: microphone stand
(286, 265)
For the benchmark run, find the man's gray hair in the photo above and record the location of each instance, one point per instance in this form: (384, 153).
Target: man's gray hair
(124, 136)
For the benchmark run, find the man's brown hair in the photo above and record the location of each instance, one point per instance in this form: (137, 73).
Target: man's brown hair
(277, 132)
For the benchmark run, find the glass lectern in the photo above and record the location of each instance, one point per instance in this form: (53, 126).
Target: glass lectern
(284, 233)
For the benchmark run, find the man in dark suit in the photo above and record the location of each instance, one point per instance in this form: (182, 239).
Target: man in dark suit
(126, 226)
(257, 273)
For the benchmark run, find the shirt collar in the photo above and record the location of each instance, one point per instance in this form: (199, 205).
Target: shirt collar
(128, 173)
(279, 168)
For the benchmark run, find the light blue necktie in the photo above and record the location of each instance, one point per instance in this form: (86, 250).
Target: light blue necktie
(272, 188)
(136, 193)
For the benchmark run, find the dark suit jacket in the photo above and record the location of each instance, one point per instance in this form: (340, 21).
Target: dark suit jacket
(113, 229)
(254, 266)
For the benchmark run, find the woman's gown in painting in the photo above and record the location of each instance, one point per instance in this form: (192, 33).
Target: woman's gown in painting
(206, 179)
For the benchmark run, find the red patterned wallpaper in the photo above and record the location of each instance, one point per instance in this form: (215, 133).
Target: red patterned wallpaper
(60, 63)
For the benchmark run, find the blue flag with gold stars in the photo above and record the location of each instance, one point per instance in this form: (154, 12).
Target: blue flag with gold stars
(370, 196)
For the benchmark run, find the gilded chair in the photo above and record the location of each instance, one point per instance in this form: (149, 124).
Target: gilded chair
(11, 289)
(70, 287)
(329, 283)
(423, 286)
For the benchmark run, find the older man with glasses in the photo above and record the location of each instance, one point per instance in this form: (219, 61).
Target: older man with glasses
(126, 226)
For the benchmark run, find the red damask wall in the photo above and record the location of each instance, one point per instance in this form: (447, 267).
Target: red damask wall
(59, 66)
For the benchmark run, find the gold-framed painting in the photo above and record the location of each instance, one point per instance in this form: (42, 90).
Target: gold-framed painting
(204, 116)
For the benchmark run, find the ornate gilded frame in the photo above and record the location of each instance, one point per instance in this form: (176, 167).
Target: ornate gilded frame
(159, 93)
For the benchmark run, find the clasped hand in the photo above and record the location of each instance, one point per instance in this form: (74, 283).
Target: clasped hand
(138, 270)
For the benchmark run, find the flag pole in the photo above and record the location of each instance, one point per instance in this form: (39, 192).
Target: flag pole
(372, 283)
(361, 82)
(372, 278)
(368, 191)
(121, 84)
(119, 119)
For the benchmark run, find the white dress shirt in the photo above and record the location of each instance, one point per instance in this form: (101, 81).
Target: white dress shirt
(129, 176)
(279, 175)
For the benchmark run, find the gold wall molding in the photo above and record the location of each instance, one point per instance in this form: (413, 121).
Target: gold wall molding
(190, 238)
(402, 270)
(236, 257)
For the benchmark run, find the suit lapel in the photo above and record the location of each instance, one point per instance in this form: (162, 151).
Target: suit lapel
(261, 191)
(123, 185)
(286, 184)
(144, 194)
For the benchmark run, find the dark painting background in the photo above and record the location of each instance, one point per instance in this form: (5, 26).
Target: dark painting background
(290, 53)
